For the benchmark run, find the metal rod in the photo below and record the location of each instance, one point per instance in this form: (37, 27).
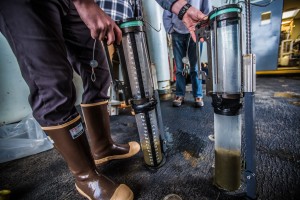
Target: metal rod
(216, 51)
(250, 135)
(158, 110)
(199, 57)
(126, 88)
(248, 27)
(108, 59)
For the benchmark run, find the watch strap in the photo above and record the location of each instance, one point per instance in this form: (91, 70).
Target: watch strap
(183, 10)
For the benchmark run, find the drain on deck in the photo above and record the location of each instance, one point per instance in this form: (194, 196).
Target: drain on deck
(172, 197)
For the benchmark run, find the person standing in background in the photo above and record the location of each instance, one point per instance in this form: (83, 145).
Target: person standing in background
(184, 50)
(120, 10)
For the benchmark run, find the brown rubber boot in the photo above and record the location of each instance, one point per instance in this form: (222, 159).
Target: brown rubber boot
(98, 129)
(70, 140)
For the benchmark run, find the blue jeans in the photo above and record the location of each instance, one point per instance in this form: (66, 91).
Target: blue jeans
(180, 45)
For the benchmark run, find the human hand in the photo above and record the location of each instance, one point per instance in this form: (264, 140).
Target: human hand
(191, 18)
(102, 27)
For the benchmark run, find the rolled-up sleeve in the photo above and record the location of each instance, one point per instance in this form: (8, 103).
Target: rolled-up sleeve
(166, 4)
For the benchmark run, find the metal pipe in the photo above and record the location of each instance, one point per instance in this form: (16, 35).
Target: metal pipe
(157, 41)
(158, 110)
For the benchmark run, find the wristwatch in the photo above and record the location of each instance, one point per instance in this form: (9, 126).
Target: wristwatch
(183, 10)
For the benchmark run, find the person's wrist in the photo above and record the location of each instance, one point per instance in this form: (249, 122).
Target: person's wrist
(177, 5)
(172, 4)
(183, 10)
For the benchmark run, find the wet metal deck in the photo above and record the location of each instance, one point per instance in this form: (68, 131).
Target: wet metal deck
(190, 155)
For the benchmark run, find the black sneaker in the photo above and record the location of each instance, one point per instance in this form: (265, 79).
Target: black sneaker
(178, 101)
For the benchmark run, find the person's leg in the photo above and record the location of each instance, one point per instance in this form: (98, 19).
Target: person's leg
(103, 147)
(70, 140)
(95, 96)
(179, 42)
(194, 69)
(80, 49)
(34, 32)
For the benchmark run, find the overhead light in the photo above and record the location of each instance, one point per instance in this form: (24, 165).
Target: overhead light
(290, 14)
